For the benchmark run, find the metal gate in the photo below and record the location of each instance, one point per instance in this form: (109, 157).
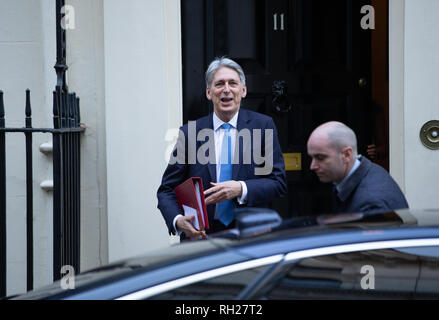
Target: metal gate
(66, 133)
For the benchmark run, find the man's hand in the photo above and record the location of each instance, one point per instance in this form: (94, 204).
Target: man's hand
(185, 225)
(372, 151)
(223, 191)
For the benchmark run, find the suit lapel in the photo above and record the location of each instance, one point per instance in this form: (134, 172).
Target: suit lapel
(207, 123)
(243, 123)
(354, 180)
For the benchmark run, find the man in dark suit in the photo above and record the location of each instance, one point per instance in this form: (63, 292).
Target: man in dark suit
(240, 162)
(359, 184)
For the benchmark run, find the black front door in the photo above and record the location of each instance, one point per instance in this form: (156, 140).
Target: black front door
(306, 62)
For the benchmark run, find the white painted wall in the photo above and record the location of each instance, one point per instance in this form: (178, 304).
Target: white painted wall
(414, 65)
(143, 100)
(124, 63)
(85, 76)
(27, 57)
(421, 67)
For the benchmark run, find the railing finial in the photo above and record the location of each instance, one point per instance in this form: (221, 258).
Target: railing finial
(2, 111)
(2, 105)
(28, 110)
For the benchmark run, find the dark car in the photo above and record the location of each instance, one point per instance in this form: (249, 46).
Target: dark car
(393, 255)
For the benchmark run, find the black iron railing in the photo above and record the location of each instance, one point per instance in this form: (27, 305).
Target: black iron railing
(66, 172)
(66, 184)
(2, 201)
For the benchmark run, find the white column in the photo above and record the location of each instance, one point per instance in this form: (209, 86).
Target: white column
(421, 87)
(414, 66)
(143, 100)
(85, 76)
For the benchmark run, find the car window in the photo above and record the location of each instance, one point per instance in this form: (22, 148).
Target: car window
(223, 287)
(375, 274)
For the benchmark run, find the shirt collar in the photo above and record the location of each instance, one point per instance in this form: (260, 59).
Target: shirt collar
(217, 122)
(354, 167)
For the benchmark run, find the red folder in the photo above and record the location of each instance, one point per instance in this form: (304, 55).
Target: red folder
(191, 194)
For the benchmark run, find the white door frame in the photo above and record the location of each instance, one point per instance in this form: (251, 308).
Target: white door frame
(396, 91)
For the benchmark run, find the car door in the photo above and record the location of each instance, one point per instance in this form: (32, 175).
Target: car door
(369, 273)
(217, 283)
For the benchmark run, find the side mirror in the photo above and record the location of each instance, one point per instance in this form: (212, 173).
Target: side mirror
(253, 221)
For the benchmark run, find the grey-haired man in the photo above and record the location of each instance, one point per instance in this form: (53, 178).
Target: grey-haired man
(225, 87)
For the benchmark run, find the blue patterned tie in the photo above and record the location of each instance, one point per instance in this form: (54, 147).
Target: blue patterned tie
(226, 208)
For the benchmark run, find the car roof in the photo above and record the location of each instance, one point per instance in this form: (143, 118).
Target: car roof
(294, 228)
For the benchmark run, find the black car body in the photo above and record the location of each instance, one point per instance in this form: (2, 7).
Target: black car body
(392, 255)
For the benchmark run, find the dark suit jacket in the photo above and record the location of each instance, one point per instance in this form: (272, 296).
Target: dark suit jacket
(261, 189)
(369, 189)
